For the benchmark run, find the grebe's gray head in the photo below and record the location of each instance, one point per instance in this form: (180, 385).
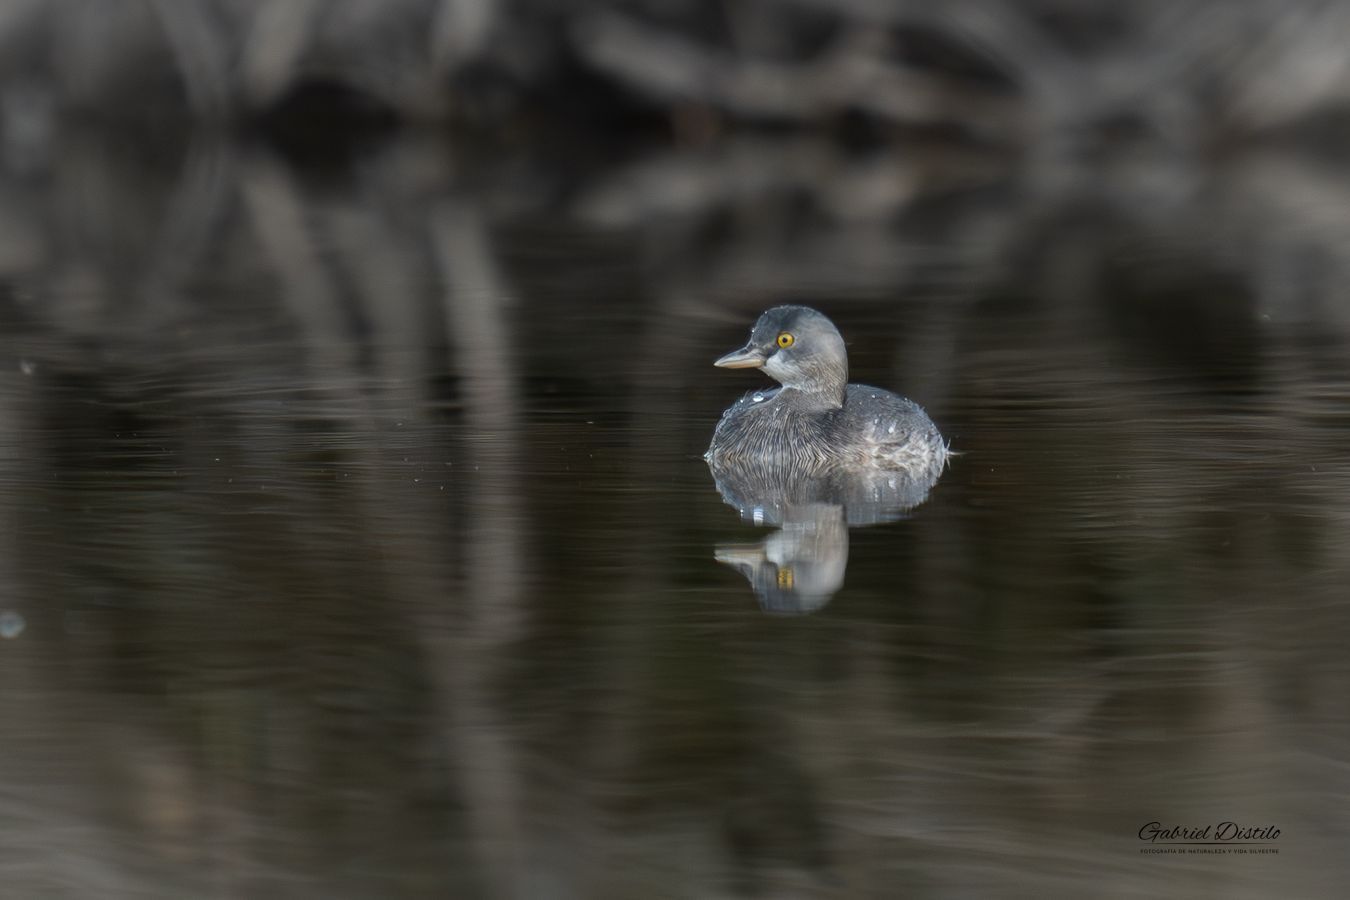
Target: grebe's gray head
(798, 347)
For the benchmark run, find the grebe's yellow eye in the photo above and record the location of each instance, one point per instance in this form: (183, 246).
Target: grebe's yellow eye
(786, 340)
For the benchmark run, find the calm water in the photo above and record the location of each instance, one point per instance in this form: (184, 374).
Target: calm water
(357, 542)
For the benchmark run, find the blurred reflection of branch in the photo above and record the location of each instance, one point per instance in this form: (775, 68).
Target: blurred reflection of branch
(1286, 226)
(381, 268)
(279, 218)
(843, 243)
(743, 172)
(195, 212)
(476, 297)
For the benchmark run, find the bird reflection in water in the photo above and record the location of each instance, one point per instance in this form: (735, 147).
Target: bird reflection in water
(800, 566)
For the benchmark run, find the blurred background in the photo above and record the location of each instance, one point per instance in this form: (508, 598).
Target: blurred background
(355, 372)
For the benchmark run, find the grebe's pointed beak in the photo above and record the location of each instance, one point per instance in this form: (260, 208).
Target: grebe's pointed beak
(740, 556)
(747, 357)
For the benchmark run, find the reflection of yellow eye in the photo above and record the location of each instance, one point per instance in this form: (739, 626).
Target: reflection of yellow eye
(786, 340)
(785, 575)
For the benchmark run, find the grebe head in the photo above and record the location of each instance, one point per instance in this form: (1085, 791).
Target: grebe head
(799, 348)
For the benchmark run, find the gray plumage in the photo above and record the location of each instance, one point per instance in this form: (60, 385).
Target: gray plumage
(817, 419)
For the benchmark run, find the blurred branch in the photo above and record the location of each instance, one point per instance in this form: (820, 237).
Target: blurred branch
(851, 75)
(276, 39)
(199, 52)
(459, 31)
(1026, 73)
(1272, 85)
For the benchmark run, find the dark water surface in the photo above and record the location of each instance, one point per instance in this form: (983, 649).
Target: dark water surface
(357, 542)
